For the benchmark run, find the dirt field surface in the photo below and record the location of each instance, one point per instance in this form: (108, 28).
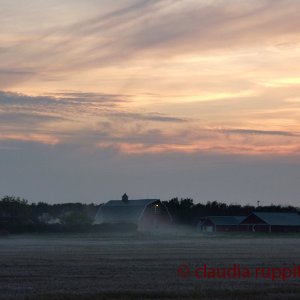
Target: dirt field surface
(144, 266)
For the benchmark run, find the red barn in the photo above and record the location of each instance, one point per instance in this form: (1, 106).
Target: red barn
(271, 222)
(220, 223)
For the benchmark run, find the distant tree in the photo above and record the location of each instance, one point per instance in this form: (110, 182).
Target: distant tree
(181, 210)
(76, 218)
(185, 211)
(14, 208)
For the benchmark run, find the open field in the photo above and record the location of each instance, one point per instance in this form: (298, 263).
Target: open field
(143, 266)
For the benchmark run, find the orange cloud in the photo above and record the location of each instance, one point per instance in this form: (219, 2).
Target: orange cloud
(248, 150)
(37, 138)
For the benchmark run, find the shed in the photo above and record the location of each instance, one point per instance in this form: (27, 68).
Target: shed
(220, 223)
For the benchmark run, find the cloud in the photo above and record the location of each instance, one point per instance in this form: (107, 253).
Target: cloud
(64, 106)
(27, 118)
(60, 98)
(109, 99)
(260, 132)
(100, 121)
(74, 117)
(30, 137)
(192, 148)
(204, 140)
(155, 75)
(10, 77)
(154, 117)
(190, 25)
(156, 29)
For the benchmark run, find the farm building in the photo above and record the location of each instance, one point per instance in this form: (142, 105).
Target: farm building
(271, 222)
(145, 213)
(220, 223)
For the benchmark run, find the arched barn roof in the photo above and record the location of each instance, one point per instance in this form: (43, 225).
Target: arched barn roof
(123, 211)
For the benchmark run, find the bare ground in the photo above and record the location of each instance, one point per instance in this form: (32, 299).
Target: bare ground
(142, 266)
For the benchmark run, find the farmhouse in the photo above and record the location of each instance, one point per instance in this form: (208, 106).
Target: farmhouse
(220, 223)
(271, 222)
(145, 213)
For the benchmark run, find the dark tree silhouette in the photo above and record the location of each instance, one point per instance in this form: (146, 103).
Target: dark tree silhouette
(17, 215)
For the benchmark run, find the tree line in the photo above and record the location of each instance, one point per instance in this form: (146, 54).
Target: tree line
(18, 215)
(186, 212)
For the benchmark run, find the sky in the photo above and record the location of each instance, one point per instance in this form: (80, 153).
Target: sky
(155, 98)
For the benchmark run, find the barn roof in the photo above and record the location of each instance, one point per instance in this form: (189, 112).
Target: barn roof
(279, 219)
(138, 202)
(226, 220)
(120, 211)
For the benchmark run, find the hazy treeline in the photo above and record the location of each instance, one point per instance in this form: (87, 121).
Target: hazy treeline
(18, 215)
(185, 211)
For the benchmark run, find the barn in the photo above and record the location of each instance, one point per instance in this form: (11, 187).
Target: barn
(147, 214)
(220, 223)
(271, 222)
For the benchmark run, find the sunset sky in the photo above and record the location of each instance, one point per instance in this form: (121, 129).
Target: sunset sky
(155, 98)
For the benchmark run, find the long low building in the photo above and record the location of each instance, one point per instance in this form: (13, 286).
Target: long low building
(271, 222)
(147, 214)
(255, 222)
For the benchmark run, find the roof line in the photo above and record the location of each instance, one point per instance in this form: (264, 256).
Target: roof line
(154, 200)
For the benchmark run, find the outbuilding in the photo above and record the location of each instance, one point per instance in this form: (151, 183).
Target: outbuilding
(271, 222)
(220, 223)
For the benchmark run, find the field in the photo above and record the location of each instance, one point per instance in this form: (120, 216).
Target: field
(143, 266)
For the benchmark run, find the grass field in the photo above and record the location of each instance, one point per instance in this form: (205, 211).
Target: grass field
(142, 266)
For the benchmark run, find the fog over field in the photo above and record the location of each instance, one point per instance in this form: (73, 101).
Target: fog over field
(142, 266)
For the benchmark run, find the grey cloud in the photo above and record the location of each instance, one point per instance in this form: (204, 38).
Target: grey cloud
(27, 114)
(27, 118)
(194, 27)
(220, 24)
(155, 117)
(76, 101)
(189, 136)
(157, 25)
(100, 118)
(92, 97)
(260, 132)
(7, 98)
(23, 113)
(62, 99)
